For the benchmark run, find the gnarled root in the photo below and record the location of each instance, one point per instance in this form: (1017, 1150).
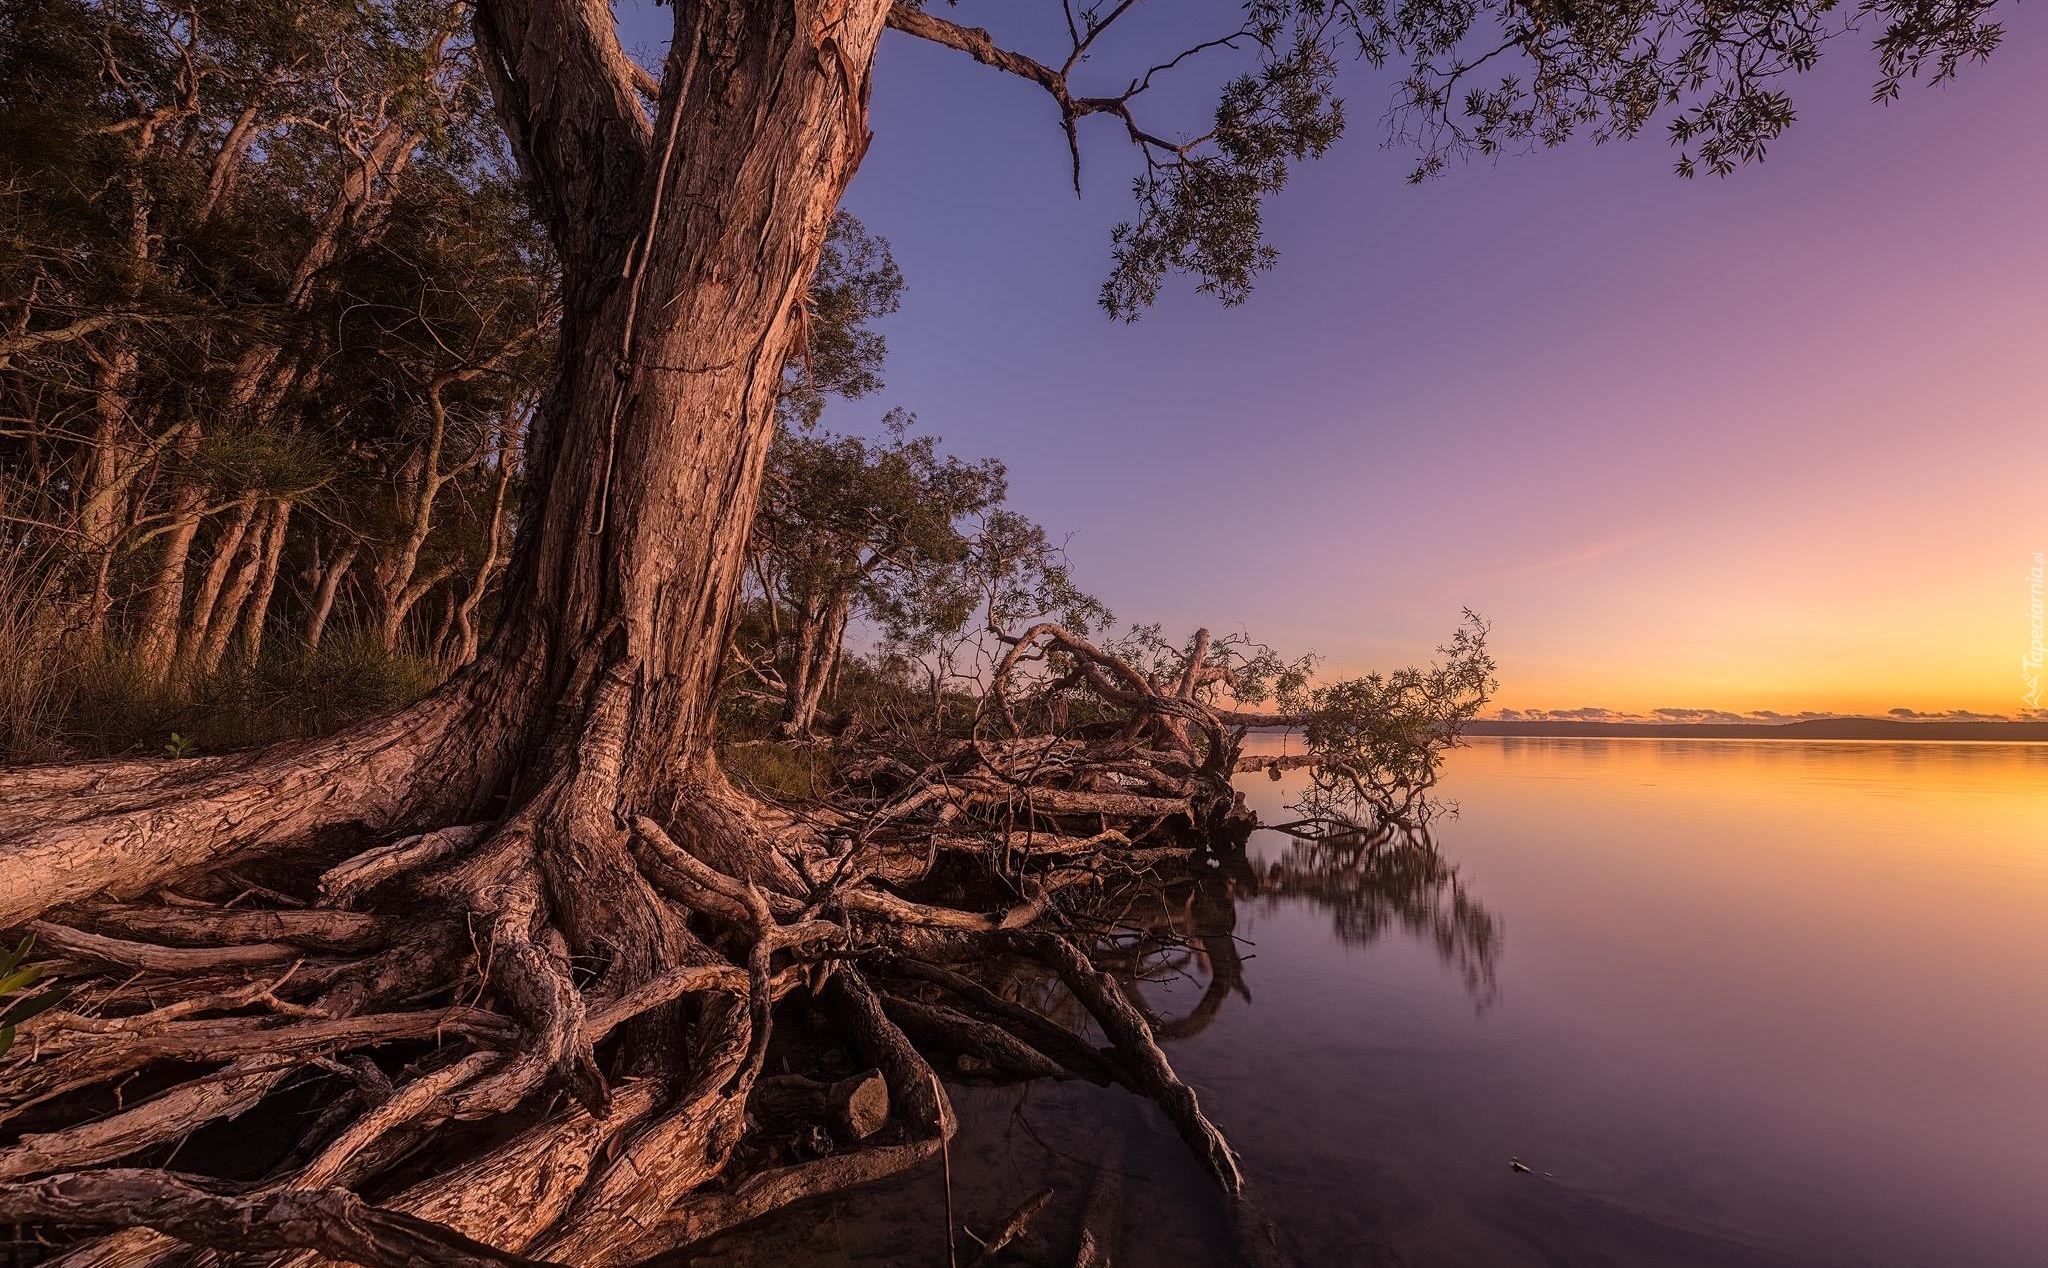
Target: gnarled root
(598, 998)
(333, 1221)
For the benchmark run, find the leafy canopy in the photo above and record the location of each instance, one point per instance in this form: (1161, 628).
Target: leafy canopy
(1473, 77)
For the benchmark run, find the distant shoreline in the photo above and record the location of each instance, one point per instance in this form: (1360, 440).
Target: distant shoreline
(1811, 729)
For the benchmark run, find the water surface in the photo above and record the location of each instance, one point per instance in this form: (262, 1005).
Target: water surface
(1734, 1003)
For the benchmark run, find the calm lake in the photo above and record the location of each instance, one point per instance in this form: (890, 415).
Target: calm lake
(1733, 1003)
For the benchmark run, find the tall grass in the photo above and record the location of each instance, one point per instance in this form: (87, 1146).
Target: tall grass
(288, 694)
(60, 700)
(38, 676)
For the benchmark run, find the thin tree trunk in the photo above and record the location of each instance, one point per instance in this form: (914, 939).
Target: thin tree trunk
(494, 559)
(323, 596)
(103, 510)
(257, 386)
(803, 660)
(230, 158)
(207, 599)
(397, 584)
(816, 657)
(266, 584)
(227, 616)
(156, 641)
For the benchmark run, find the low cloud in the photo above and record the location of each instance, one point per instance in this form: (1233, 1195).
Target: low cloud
(1702, 715)
(1951, 715)
(1586, 713)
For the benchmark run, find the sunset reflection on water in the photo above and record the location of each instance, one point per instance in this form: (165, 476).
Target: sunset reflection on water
(1758, 1002)
(1734, 1004)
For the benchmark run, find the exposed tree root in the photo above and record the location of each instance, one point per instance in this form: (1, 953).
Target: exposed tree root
(1104, 1212)
(334, 1221)
(444, 960)
(542, 1039)
(70, 833)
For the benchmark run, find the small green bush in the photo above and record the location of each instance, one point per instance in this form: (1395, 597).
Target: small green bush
(16, 1005)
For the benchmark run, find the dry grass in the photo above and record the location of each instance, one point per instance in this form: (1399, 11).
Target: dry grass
(37, 671)
(60, 700)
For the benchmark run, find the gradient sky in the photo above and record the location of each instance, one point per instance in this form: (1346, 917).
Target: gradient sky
(1770, 442)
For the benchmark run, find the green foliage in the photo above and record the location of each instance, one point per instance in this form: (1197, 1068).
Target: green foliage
(1379, 741)
(1473, 77)
(1200, 205)
(856, 281)
(16, 1005)
(850, 527)
(844, 515)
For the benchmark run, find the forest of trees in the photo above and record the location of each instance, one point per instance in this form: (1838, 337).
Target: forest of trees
(421, 570)
(276, 325)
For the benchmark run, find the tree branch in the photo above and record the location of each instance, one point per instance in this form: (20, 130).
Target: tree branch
(570, 101)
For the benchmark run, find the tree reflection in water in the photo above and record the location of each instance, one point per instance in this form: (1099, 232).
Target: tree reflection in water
(1375, 879)
(1175, 920)
(1181, 922)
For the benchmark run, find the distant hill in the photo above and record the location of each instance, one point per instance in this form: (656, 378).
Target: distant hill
(1814, 729)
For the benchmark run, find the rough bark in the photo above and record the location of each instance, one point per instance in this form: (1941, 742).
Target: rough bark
(820, 634)
(259, 559)
(332, 1220)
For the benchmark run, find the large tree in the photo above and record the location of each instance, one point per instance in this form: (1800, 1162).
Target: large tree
(567, 779)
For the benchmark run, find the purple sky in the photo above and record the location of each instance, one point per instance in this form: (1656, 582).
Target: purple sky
(1775, 441)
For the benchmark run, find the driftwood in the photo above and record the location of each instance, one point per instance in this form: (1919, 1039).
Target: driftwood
(1012, 1228)
(854, 1108)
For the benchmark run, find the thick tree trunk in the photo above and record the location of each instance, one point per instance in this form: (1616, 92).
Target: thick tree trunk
(685, 251)
(685, 265)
